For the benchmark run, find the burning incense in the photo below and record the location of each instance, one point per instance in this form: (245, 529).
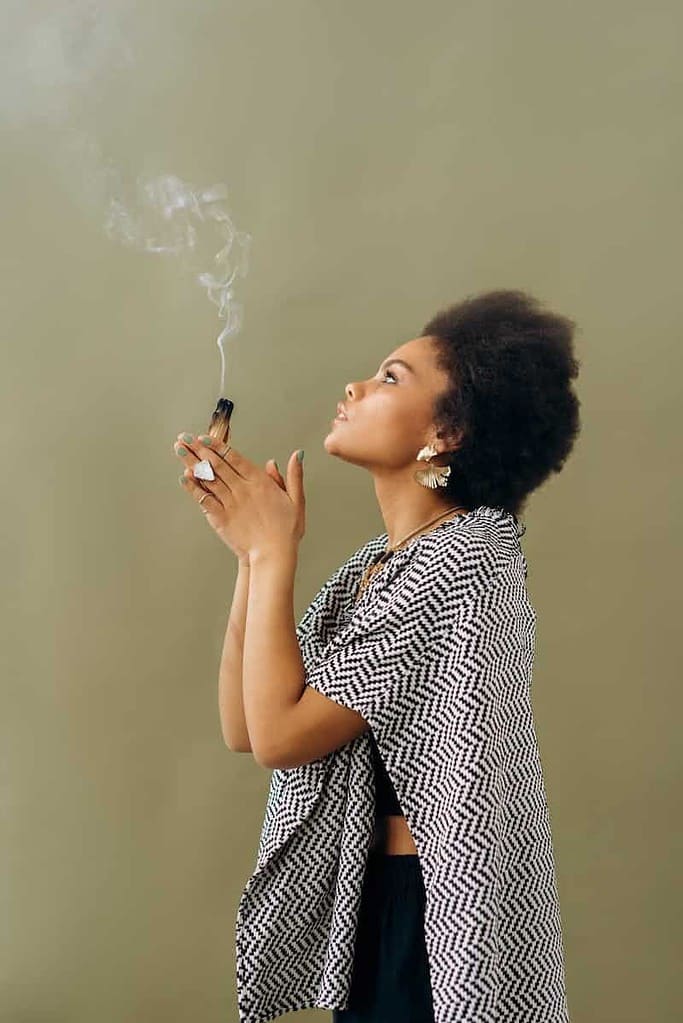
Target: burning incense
(220, 420)
(219, 428)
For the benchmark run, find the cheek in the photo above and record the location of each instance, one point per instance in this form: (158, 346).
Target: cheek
(399, 412)
(394, 427)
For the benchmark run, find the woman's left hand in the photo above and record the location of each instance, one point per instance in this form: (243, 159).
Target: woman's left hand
(248, 510)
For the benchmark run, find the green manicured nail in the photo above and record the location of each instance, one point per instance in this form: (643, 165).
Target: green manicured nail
(300, 455)
(187, 437)
(181, 451)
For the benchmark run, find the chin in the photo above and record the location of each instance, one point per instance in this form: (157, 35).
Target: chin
(333, 444)
(330, 443)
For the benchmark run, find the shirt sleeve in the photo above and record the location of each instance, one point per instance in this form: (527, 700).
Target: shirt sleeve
(320, 620)
(380, 661)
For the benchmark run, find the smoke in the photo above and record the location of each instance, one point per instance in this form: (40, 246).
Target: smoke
(57, 57)
(57, 63)
(168, 215)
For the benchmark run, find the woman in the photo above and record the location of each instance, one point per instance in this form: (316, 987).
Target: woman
(415, 656)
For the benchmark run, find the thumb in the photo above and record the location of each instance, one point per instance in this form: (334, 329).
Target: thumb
(295, 478)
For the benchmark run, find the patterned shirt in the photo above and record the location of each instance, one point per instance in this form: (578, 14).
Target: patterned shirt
(437, 657)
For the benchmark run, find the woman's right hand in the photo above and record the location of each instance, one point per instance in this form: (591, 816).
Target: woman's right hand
(274, 473)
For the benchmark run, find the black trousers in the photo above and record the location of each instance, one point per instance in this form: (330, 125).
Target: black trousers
(390, 982)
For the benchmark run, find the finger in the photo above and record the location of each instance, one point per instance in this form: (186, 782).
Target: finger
(295, 479)
(240, 465)
(188, 447)
(275, 473)
(191, 456)
(212, 504)
(187, 439)
(185, 451)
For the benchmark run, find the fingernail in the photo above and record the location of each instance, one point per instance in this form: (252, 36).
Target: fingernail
(181, 480)
(181, 451)
(276, 465)
(206, 441)
(187, 437)
(300, 455)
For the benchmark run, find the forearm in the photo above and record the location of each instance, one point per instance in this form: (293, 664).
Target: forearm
(230, 702)
(273, 669)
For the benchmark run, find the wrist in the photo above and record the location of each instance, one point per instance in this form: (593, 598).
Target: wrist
(268, 555)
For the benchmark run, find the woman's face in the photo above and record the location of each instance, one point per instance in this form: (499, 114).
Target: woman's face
(389, 416)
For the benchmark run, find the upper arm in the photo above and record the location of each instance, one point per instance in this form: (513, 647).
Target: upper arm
(313, 727)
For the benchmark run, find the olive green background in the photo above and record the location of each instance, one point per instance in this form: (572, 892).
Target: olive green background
(387, 159)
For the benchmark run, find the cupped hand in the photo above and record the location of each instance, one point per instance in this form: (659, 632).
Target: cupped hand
(249, 508)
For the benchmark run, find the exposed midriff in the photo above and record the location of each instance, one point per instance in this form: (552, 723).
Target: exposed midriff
(393, 837)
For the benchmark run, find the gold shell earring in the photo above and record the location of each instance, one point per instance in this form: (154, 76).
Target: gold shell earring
(434, 475)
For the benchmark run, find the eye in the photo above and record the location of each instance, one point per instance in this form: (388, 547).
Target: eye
(388, 373)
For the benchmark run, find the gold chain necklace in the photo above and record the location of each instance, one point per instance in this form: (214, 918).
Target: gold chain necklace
(386, 554)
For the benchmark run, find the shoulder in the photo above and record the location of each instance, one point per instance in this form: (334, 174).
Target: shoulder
(455, 562)
(486, 536)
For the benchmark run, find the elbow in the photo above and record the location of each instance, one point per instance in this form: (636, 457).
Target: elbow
(269, 755)
(242, 743)
(278, 758)
(238, 749)
(237, 743)
(265, 764)
(265, 758)
(270, 750)
(269, 744)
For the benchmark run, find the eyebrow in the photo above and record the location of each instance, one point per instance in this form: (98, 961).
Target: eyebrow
(400, 362)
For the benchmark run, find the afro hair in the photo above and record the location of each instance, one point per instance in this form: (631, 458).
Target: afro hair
(510, 363)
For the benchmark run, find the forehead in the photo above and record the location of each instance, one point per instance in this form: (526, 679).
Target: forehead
(418, 347)
(418, 353)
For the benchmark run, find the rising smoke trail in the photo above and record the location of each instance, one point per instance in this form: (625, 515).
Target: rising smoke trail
(168, 215)
(59, 61)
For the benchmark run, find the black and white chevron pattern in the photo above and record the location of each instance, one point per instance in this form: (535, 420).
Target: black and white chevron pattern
(437, 656)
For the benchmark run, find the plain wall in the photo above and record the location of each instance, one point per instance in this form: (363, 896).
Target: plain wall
(387, 159)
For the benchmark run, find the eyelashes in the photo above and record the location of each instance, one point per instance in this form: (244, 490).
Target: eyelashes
(388, 373)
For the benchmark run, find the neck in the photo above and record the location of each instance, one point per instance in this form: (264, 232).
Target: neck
(405, 505)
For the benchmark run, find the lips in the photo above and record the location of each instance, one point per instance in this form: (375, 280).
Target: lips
(341, 412)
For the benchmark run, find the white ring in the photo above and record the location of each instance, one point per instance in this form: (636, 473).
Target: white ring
(203, 470)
